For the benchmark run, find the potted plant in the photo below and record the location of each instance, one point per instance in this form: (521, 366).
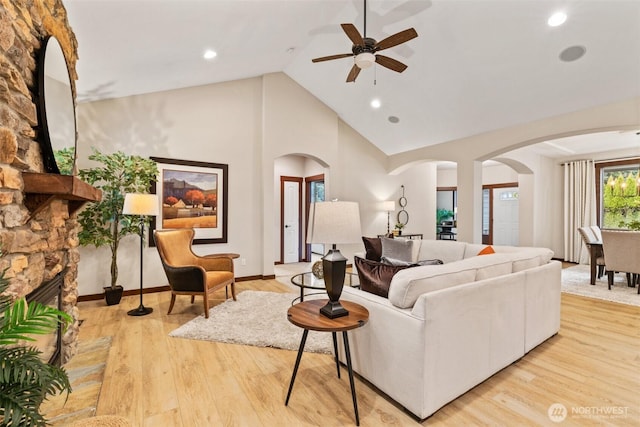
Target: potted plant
(442, 215)
(398, 229)
(102, 222)
(26, 379)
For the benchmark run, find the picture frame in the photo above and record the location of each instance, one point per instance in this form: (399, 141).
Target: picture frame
(192, 194)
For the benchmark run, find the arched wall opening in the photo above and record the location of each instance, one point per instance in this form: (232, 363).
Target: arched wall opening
(292, 178)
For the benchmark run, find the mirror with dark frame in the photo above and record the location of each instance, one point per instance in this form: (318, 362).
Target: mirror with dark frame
(56, 110)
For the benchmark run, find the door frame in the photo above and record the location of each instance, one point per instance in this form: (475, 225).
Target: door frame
(307, 202)
(299, 180)
(491, 187)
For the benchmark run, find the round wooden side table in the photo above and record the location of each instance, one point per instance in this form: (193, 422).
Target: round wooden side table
(307, 316)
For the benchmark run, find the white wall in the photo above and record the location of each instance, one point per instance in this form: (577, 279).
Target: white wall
(545, 222)
(249, 125)
(216, 123)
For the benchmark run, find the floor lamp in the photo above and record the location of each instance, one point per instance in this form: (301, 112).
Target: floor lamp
(141, 205)
(388, 206)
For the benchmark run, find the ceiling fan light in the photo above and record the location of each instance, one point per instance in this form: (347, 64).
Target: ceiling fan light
(365, 60)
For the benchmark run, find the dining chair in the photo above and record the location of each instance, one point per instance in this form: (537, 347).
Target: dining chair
(622, 249)
(592, 238)
(191, 274)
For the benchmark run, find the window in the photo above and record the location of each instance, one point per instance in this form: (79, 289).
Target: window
(618, 187)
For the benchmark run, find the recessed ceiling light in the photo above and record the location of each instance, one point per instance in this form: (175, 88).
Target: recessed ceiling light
(394, 119)
(375, 103)
(209, 54)
(557, 19)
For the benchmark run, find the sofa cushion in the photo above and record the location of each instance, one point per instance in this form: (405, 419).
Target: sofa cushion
(496, 265)
(373, 248)
(472, 249)
(529, 259)
(375, 277)
(400, 249)
(407, 285)
(446, 250)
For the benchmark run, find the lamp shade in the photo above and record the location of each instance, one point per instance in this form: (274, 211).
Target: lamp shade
(365, 60)
(140, 204)
(334, 222)
(389, 206)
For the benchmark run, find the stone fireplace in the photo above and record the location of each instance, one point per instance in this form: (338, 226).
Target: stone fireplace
(38, 227)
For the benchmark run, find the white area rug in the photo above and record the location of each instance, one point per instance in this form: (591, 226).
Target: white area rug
(575, 280)
(257, 318)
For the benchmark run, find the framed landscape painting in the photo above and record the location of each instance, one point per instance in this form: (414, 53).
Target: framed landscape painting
(192, 195)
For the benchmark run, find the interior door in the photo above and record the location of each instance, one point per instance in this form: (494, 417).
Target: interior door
(505, 216)
(291, 207)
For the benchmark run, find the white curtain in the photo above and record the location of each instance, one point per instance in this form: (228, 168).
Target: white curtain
(579, 207)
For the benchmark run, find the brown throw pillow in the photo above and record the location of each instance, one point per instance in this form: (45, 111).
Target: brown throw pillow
(373, 248)
(375, 277)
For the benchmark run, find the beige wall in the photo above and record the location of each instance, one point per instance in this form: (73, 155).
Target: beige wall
(250, 125)
(542, 224)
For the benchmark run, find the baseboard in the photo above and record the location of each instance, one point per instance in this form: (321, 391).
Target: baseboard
(129, 292)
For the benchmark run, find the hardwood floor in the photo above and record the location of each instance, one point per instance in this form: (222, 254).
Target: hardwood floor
(591, 367)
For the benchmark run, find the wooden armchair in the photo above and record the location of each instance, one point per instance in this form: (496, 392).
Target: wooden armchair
(622, 253)
(191, 274)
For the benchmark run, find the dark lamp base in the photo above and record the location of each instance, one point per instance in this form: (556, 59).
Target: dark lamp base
(333, 309)
(140, 311)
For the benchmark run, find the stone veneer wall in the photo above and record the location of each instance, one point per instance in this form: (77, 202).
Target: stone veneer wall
(35, 249)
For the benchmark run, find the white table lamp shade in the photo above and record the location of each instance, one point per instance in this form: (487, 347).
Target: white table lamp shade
(140, 204)
(389, 206)
(334, 222)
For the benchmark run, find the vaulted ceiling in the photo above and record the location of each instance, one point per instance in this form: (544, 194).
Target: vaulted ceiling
(476, 65)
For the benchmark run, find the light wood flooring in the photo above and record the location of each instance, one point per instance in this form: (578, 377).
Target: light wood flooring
(593, 364)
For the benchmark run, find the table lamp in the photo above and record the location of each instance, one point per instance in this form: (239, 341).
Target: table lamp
(141, 205)
(333, 223)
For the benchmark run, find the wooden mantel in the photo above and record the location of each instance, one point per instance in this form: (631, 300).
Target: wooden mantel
(41, 188)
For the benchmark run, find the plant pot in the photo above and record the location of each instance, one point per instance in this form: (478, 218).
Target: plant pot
(113, 295)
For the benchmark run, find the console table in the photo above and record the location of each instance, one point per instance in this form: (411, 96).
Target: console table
(307, 316)
(416, 236)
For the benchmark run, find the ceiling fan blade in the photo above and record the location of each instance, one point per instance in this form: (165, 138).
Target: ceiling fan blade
(354, 35)
(355, 70)
(329, 58)
(390, 63)
(396, 39)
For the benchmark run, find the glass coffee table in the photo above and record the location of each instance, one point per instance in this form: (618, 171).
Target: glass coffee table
(309, 281)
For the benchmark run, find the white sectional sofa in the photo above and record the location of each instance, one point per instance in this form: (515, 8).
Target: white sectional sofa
(445, 328)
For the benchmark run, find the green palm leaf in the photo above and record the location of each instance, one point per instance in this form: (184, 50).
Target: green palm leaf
(25, 381)
(21, 320)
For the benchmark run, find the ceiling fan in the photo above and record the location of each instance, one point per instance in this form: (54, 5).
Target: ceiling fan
(364, 49)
